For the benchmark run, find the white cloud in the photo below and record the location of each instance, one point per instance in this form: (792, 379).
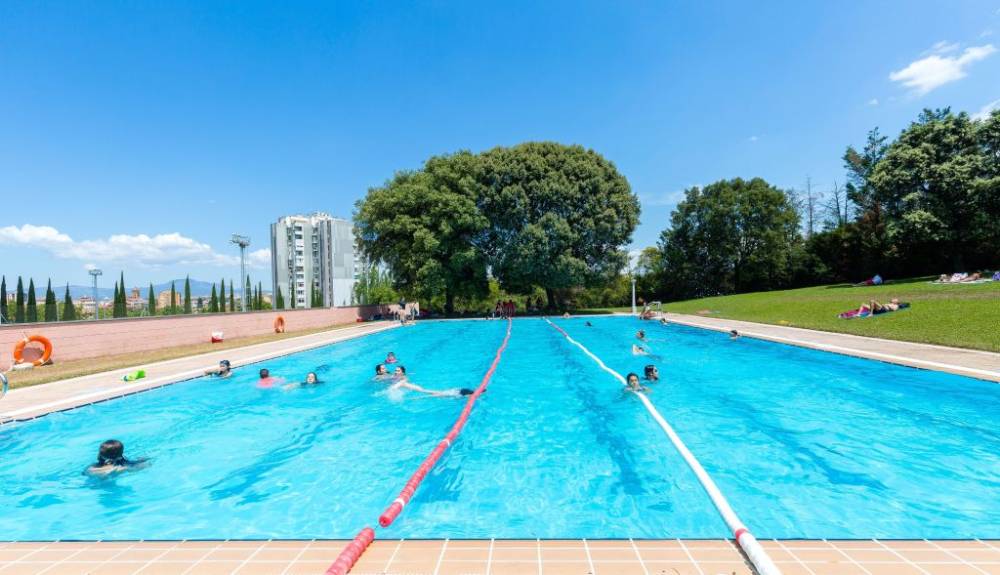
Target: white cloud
(986, 110)
(753, 138)
(986, 33)
(662, 199)
(942, 47)
(936, 70)
(260, 258)
(148, 251)
(873, 102)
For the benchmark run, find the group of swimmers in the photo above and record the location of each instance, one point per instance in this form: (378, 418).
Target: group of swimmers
(399, 382)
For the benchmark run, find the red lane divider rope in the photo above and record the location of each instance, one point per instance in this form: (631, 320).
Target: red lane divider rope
(350, 555)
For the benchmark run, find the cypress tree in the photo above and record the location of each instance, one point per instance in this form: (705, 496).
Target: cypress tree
(279, 301)
(19, 302)
(69, 310)
(232, 298)
(187, 294)
(222, 296)
(50, 303)
(151, 303)
(4, 318)
(213, 301)
(173, 299)
(122, 304)
(32, 302)
(260, 295)
(114, 302)
(247, 294)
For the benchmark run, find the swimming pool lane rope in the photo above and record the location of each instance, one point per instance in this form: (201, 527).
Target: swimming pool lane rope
(761, 561)
(350, 555)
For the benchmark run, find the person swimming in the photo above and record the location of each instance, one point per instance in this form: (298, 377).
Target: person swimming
(650, 373)
(401, 382)
(311, 380)
(640, 335)
(390, 358)
(224, 369)
(381, 372)
(632, 383)
(111, 459)
(733, 334)
(265, 381)
(588, 324)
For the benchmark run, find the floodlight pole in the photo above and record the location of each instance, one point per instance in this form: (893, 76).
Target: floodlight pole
(97, 308)
(243, 242)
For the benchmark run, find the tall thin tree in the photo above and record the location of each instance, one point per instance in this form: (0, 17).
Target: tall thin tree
(222, 296)
(4, 317)
(32, 311)
(173, 299)
(19, 314)
(247, 293)
(232, 298)
(213, 301)
(187, 294)
(279, 300)
(151, 300)
(51, 313)
(69, 310)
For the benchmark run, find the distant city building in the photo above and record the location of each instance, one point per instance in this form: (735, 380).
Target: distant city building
(314, 252)
(163, 299)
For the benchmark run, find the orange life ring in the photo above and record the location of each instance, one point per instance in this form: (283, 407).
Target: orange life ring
(279, 324)
(46, 352)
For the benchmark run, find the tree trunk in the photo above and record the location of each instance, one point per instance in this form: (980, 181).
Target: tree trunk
(550, 295)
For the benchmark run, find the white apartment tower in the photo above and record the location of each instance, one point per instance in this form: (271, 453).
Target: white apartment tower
(314, 252)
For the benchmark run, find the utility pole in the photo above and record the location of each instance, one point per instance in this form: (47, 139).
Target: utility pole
(97, 308)
(243, 242)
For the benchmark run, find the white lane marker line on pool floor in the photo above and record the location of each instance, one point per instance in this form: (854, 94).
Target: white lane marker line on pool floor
(393, 556)
(690, 557)
(848, 557)
(905, 560)
(960, 559)
(489, 558)
(746, 540)
(293, 561)
(590, 560)
(444, 547)
(638, 555)
(538, 552)
(796, 557)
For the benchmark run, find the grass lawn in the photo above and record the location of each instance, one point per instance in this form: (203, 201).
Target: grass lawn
(954, 315)
(78, 367)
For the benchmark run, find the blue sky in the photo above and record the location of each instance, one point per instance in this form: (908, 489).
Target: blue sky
(139, 136)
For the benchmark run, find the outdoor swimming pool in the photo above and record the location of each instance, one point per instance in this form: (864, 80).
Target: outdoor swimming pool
(803, 444)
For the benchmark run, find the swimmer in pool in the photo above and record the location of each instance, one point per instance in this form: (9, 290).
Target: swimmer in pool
(633, 383)
(651, 373)
(310, 381)
(391, 358)
(266, 381)
(111, 459)
(400, 382)
(224, 370)
(640, 335)
(733, 334)
(588, 324)
(381, 372)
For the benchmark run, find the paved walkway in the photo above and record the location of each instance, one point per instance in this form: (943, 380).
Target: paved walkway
(501, 557)
(29, 402)
(968, 362)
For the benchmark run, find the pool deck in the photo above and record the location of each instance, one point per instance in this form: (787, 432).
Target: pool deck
(30, 402)
(501, 557)
(967, 362)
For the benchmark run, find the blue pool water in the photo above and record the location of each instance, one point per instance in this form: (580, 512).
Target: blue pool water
(802, 443)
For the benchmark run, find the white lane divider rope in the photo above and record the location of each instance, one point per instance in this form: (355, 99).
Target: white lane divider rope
(753, 549)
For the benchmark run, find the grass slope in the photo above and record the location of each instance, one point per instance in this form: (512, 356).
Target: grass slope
(954, 315)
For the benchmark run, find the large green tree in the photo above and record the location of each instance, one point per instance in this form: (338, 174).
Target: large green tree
(731, 236)
(427, 228)
(51, 307)
(69, 310)
(928, 177)
(32, 309)
(558, 216)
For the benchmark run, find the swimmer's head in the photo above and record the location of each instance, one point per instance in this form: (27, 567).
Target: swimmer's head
(381, 370)
(588, 324)
(734, 334)
(224, 363)
(633, 380)
(110, 451)
(264, 373)
(390, 355)
(651, 372)
(641, 334)
(311, 378)
(400, 370)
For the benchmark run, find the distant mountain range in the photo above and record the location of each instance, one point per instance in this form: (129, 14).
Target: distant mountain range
(198, 289)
